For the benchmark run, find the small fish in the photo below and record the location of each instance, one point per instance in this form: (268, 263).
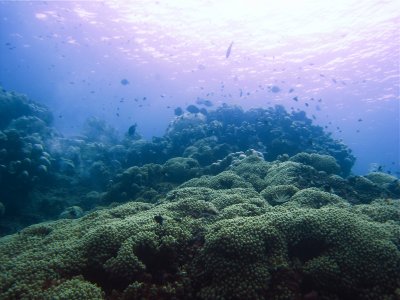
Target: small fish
(291, 90)
(275, 89)
(359, 120)
(228, 52)
(241, 93)
(178, 111)
(124, 81)
(159, 219)
(193, 109)
(296, 98)
(132, 130)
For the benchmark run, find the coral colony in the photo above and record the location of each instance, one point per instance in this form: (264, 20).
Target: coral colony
(231, 204)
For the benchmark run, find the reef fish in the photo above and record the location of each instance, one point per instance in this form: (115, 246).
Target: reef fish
(193, 109)
(178, 111)
(228, 52)
(132, 130)
(124, 81)
(275, 89)
(159, 219)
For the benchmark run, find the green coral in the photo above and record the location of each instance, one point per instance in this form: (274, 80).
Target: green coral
(228, 203)
(213, 237)
(75, 289)
(319, 162)
(236, 259)
(381, 210)
(243, 210)
(286, 173)
(224, 180)
(314, 198)
(366, 190)
(253, 168)
(279, 194)
(389, 183)
(112, 245)
(381, 178)
(180, 169)
(226, 198)
(324, 247)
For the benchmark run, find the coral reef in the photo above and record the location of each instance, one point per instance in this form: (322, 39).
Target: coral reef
(228, 204)
(319, 162)
(279, 194)
(212, 237)
(39, 167)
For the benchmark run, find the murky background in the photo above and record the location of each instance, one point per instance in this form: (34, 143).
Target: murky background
(136, 61)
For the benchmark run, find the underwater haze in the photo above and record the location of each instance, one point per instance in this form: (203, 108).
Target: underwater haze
(200, 149)
(338, 62)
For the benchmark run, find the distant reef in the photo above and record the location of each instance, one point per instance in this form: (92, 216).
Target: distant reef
(232, 204)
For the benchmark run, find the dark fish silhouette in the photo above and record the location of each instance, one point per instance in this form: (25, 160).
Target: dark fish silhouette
(228, 52)
(275, 89)
(193, 109)
(132, 130)
(159, 219)
(178, 111)
(124, 81)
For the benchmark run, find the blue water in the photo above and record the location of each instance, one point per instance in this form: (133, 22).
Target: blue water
(136, 62)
